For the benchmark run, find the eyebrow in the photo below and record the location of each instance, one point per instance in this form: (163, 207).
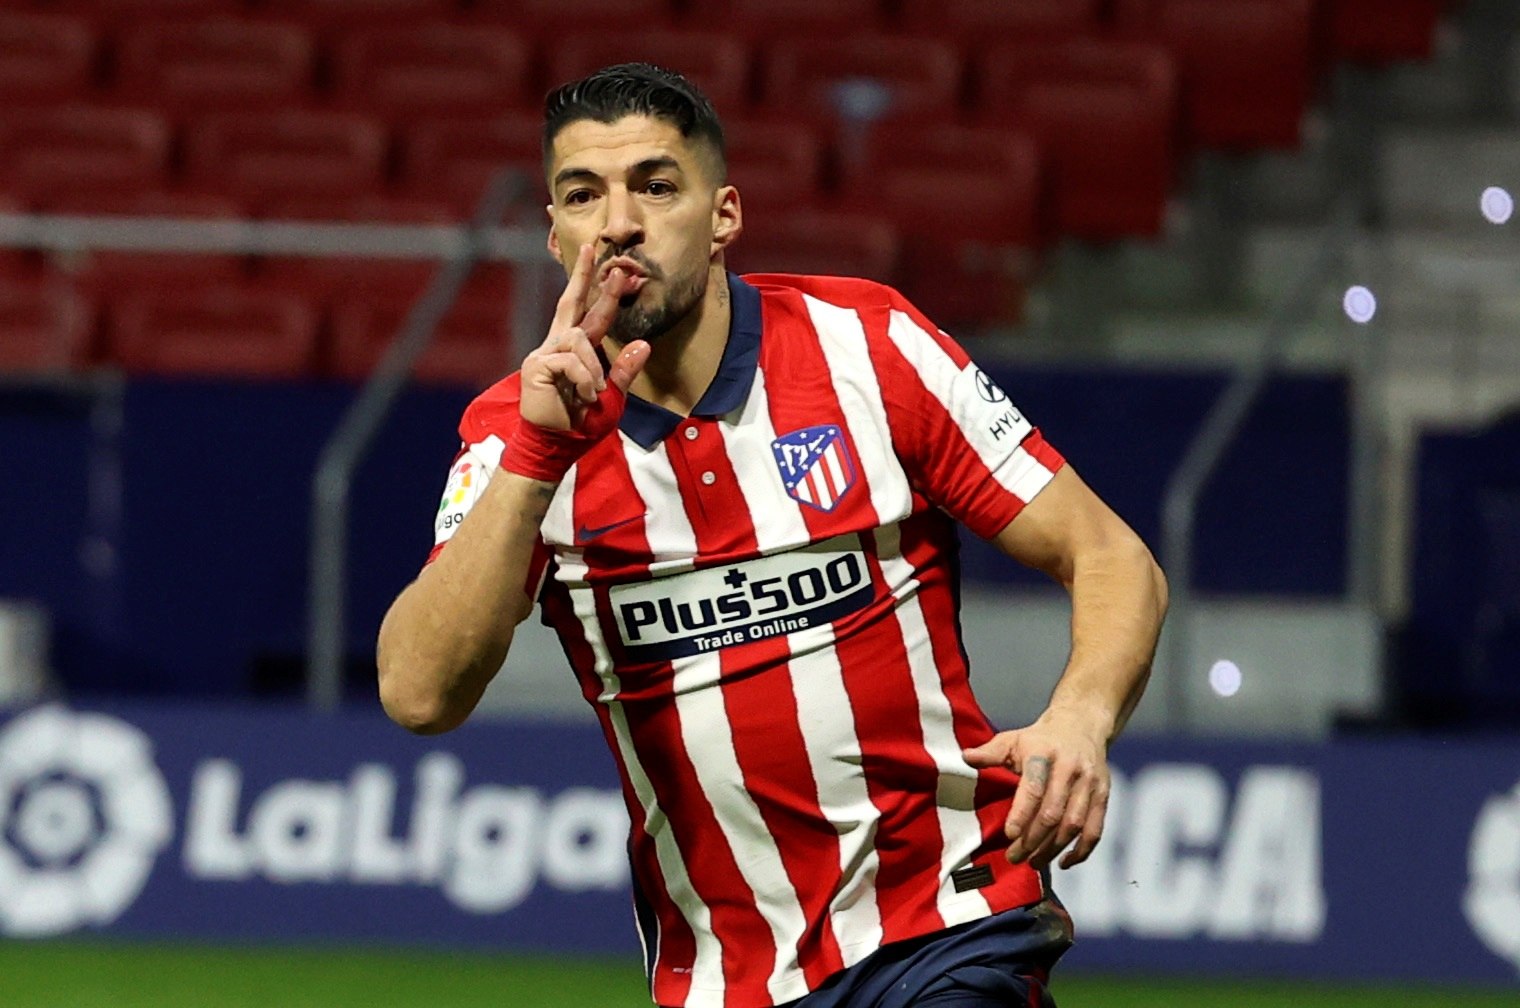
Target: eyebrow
(644, 167)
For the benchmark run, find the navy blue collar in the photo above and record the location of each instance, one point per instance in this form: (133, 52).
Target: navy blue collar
(648, 424)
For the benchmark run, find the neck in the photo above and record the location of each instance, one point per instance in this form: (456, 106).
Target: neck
(685, 359)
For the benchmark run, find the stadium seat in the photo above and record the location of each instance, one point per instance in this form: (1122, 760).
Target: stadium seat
(452, 160)
(1106, 115)
(45, 152)
(213, 330)
(547, 18)
(365, 208)
(719, 64)
(254, 156)
(472, 346)
(43, 327)
(119, 13)
(335, 17)
(45, 58)
(409, 73)
(776, 164)
(215, 65)
(1247, 65)
(862, 76)
(769, 19)
(982, 22)
(1384, 31)
(821, 241)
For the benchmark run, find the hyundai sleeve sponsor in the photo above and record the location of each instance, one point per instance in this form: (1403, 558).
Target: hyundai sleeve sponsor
(1357, 859)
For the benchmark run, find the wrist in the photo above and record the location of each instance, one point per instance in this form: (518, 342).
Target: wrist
(543, 453)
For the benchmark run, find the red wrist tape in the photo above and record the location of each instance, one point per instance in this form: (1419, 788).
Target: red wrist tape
(543, 453)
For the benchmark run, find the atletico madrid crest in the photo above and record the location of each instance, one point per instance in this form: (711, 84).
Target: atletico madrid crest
(815, 465)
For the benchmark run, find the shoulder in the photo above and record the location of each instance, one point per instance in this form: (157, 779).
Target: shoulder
(843, 292)
(493, 413)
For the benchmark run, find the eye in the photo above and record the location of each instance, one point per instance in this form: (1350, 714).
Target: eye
(660, 187)
(576, 197)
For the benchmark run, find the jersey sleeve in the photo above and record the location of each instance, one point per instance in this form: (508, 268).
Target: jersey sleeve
(964, 444)
(483, 431)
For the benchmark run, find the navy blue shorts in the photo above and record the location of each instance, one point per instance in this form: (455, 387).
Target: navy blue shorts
(1002, 961)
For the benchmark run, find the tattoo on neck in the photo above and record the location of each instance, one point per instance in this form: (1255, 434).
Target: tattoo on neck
(723, 293)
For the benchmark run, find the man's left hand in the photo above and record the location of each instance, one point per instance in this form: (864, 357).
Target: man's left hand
(1062, 761)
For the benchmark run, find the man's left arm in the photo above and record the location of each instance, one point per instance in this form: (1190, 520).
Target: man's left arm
(1118, 597)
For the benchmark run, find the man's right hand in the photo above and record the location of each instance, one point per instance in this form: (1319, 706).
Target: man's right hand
(563, 384)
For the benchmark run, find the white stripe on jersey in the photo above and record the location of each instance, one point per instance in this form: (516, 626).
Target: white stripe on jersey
(1017, 471)
(558, 525)
(707, 967)
(777, 518)
(960, 830)
(842, 337)
(709, 743)
(834, 754)
(672, 544)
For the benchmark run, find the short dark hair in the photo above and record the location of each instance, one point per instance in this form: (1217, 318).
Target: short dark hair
(637, 89)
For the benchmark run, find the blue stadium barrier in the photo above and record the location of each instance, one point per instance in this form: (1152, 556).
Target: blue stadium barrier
(1375, 858)
(192, 571)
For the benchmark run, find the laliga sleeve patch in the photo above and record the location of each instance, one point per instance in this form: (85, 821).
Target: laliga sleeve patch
(986, 416)
(466, 481)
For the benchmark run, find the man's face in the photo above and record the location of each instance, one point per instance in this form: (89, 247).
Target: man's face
(643, 197)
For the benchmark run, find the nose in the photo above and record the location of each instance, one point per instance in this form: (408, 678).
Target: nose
(624, 226)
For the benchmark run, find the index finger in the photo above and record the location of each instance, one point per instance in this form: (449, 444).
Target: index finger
(1034, 776)
(598, 318)
(571, 304)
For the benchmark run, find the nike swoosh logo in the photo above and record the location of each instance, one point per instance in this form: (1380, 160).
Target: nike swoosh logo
(584, 534)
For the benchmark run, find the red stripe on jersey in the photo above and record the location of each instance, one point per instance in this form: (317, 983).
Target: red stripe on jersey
(901, 777)
(762, 711)
(748, 945)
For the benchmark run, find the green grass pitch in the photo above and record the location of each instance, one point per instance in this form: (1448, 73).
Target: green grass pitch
(78, 974)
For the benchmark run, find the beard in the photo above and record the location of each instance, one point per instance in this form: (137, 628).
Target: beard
(638, 321)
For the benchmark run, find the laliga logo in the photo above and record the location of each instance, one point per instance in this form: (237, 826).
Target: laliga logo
(84, 813)
(1493, 868)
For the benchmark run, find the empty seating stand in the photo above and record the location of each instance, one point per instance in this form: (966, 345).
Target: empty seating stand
(862, 77)
(1247, 65)
(818, 241)
(1384, 31)
(1106, 114)
(215, 64)
(48, 151)
(717, 63)
(411, 73)
(453, 159)
(45, 58)
(257, 156)
(44, 327)
(978, 23)
(213, 330)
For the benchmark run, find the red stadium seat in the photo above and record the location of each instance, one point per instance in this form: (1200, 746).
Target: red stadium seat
(116, 13)
(338, 16)
(473, 345)
(213, 330)
(1247, 65)
(774, 164)
(44, 327)
(452, 160)
(826, 242)
(143, 203)
(718, 64)
(50, 151)
(215, 65)
(899, 74)
(768, 19)
(45, 57)
(367, 208)
(1384, 31)
(430, 69)
(256, 155)
(1106, 114)
(549, 16)
(981, 22)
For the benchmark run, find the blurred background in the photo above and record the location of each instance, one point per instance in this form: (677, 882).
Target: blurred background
(1250, 264)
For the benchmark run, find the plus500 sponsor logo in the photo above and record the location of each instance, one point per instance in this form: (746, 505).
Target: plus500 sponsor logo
(1185, 855)
(706, 610)
(485, 847)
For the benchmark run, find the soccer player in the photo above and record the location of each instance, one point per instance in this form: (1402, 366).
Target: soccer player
(734, 500)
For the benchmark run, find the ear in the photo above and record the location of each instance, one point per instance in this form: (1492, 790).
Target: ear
(728, 217)
(553, 242)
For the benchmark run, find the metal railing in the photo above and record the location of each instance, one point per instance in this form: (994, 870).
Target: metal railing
(1179, 507)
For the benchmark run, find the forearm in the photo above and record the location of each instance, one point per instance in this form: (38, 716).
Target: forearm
(448, 632)
(1118, 597)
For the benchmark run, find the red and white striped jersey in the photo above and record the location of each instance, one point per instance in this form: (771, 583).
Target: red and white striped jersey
(760, 602)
